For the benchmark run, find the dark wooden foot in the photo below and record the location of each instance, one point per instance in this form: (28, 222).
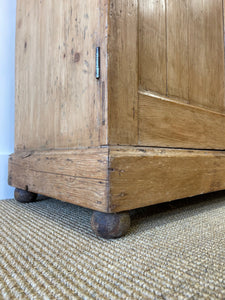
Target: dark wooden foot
(110, 226)
(24, 196)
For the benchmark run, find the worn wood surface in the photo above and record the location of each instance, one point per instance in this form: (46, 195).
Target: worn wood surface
(206, 54)
(196, 52)
(119, 178)
(173, 48)
(145, 176)
(90, 163)
(59, 102)
(168, 123)
(181, 50)
(177, 49)
(78, 177)
(123, 71)
(152, 45)
(162, 84)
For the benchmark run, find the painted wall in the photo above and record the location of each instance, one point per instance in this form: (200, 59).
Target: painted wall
(7, 61)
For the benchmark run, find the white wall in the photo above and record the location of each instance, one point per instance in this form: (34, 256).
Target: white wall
(7, 54)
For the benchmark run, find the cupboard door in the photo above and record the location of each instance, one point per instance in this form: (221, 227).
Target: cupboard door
(59, 102)
(181, 74)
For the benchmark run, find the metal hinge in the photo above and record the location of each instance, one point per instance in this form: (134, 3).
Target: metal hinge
(97, 63)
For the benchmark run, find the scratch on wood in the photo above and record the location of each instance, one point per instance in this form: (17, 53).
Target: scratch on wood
(27, 154)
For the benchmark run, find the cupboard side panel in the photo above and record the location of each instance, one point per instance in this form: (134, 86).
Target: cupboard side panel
(59, 102)
(123, 71)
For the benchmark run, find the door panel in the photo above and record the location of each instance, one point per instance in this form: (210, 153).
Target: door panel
(181, 51)
(206, 54)
(184, 108)
(173, 124)
(59, 102)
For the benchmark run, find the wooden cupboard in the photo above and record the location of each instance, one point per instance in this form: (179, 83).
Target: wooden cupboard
(148, 128)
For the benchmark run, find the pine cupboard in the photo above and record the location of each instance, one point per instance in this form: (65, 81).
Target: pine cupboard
(119, 104)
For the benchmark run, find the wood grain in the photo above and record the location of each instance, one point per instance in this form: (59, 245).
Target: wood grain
(118, 178)
(181, 51)
(144, 176)
(78, 177)
(85, 192)
(206, 54)
(89, 163)
(166, 123)
(59, 102)
(123, 71)
(177, 49)
(167, 50)
(152, 46)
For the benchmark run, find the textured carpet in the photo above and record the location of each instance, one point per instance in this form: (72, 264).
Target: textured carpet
(173, 251)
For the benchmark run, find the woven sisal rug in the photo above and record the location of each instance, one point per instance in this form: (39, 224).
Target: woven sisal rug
(173, 251)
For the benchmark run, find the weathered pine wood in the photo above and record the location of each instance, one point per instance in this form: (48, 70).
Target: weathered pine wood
(88, 163)
(161, 84)
(166, 123)
(168, 47)
(123, 72)
(206, 54)
(177, 49)
(59, 102)
(152, 46)
(130, 177)
(78, 177)
(144, 176)
(181, 50)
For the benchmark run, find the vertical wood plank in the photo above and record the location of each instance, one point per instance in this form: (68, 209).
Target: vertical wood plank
(24, 104)
(177, 48)
(123, 71)
(206, 54)
(152, 45)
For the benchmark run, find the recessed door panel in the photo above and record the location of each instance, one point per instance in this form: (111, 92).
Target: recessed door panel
(181, 74)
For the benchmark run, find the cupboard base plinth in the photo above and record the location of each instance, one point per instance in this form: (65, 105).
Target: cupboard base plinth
(117, 179)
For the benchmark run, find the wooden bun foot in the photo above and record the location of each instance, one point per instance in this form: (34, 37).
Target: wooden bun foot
(24, 196)
(110, 226)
